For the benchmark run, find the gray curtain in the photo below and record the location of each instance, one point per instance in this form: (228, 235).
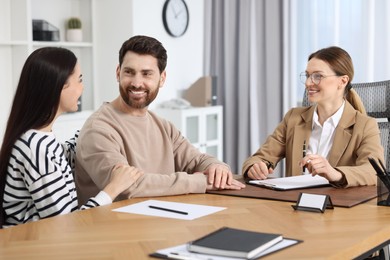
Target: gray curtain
(243, 48)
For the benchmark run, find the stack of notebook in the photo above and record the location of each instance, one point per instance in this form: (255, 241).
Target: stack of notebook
(226, 243)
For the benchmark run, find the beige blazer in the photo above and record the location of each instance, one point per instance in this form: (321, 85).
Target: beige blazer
(357, 137)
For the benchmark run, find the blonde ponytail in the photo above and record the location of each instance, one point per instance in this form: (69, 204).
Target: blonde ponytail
(353, 98)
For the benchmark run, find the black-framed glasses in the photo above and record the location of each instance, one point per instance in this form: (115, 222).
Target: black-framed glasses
(314, 77)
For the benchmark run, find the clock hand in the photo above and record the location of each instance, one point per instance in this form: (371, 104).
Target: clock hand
(181, 11)
(174, 10)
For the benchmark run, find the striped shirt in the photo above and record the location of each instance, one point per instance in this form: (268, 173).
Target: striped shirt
(39, 182)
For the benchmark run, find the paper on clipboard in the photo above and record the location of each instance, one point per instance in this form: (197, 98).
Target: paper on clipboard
(293, 182)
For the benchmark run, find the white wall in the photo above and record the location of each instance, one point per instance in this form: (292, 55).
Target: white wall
(129, 18)
(114, 21)
(185, 54)
(112, 25)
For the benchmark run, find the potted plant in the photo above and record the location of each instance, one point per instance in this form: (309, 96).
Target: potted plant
(74, 32)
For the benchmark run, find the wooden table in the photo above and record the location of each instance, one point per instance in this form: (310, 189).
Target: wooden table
(100, 233)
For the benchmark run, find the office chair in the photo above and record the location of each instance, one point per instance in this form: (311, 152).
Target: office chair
(374, 95)
(384, 128)
(376, 99)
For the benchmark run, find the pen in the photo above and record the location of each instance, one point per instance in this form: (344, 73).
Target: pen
(304, 154)
(179, 256)
(383, 166)
(375, 165)
(169, 210)
(267, 184)
(380, 173)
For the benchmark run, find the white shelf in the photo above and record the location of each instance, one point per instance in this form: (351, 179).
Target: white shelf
(47, 43)
(63, 44)
(16, 42)
(67, 124)
(13, 43)
(202, 126)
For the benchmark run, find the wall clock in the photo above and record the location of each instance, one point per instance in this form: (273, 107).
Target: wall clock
(175, 17)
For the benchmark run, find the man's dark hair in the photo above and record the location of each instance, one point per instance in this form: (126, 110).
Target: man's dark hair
(145, 45)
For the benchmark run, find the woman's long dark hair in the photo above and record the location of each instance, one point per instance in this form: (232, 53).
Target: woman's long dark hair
(36, 100)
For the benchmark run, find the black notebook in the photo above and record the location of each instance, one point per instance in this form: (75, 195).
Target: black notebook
(234, 243)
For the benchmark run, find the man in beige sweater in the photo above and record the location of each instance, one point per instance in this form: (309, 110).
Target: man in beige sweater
(125, 132)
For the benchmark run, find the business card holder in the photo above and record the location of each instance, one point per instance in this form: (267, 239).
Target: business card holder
(313, 202)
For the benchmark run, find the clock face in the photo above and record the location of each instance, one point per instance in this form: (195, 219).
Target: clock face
(175, 17)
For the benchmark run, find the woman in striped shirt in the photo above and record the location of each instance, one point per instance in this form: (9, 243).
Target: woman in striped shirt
(36, 171)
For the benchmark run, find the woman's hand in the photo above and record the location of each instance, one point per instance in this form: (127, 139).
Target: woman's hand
(259, 171)
(122, 178)
(318, 165)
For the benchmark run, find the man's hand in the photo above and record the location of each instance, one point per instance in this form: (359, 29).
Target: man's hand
(236, 185)
(220, 177)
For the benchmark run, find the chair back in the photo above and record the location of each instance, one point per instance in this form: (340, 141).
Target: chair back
(376, 99)
(374, 95)
(384, 128)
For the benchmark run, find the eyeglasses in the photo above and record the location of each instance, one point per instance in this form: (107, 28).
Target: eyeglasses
(314, 77)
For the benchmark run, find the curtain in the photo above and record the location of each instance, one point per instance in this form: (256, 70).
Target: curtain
(258, 48)
(244, 49)
(361, 27)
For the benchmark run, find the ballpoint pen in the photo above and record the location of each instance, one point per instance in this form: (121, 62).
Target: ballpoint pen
(383, 176)
(267, 185)
(375, 165)
(304, 154)
(380, 173)
(179, 256)
(383, 167)
(169, 210)
(176, 256)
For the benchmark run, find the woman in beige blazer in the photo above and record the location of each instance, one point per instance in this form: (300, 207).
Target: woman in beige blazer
(338, 135)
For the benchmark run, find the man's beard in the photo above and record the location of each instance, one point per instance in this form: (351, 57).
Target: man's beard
(138, 103)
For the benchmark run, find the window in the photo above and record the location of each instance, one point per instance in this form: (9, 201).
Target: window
(361, 27)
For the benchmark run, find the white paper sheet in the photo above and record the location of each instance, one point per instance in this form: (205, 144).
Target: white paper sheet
(294, 182)
(194, 211)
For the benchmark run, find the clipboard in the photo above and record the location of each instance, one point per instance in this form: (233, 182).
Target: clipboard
(291, 183)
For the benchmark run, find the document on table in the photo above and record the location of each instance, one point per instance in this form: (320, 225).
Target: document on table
(181, 252)
(169, 209)
(293, 182)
